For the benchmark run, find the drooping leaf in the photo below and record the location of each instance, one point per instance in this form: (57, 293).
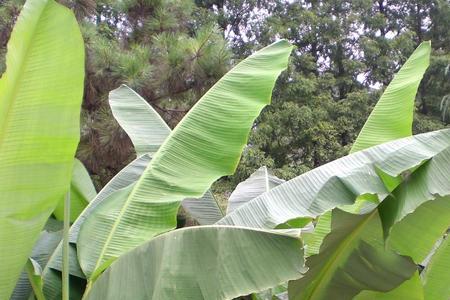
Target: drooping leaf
(148, 131)
(435, 276)
(342, 181)
(204, 146)
(261, 181)
(392, 117)
(39, 127)
(352, 258)
(145, 127)
(82, 191)
(193, 263)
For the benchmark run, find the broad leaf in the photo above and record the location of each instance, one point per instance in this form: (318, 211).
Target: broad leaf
(148, 131)
(342, 181)
(39, 127)
(193, 263)
(145, 127)
(392, 117)
(436, 275)
(82, 191)
(261, 181)
(352, 258)
(204, 146)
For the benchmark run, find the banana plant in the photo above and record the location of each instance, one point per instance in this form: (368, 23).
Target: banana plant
(204, 146)
(39, 113)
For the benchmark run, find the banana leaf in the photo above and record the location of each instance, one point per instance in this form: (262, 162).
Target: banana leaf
(193, 263)
(342, 181)
(39, 127)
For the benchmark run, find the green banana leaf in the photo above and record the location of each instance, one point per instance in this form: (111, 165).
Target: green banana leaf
(352, 258)
(392, 117)
(39, 127)
(342, 181)
(82, 191)
(346, 179)
(436, 275)
(261, 181)
(205, 145)
(145, 127)
(148, 131)
(193, 263)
